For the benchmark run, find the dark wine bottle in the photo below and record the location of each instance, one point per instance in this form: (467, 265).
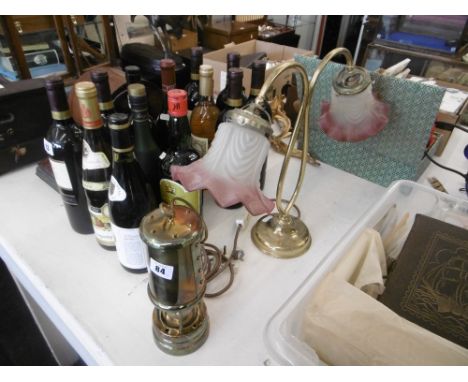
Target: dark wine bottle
(128, 197)
(147, 152)
(235, 98)
(192, 87)
(233, 61)
(258, 78)
(168, 80)
(205, 115)
(63, 144)
(106, 105)
(96, 164)
(133, 76)
(180, 153)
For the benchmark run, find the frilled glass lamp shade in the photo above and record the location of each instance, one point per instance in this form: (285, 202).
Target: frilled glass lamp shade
(354, 113)
(231, 168)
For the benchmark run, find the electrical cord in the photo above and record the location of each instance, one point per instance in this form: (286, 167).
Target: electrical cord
(445, 167)
(218, 262)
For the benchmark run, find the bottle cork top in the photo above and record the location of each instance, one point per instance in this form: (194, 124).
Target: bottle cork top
(233, 60)
(206, 70)
(136, 90)
(85, 89)
(177, 102)
(99, 75)
(167, 63)
(53, 82)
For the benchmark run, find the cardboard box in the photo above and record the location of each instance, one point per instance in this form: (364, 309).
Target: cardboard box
(275, 52)
(188, 40)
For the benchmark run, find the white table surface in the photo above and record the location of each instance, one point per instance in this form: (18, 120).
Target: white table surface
(104, 312)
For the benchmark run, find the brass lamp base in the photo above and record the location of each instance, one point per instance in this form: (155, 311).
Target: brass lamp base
(181, 332)
(282, 236)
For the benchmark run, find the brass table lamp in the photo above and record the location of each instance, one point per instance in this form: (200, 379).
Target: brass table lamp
(281, 234)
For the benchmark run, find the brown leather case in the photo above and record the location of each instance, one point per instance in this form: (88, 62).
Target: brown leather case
(429, 283)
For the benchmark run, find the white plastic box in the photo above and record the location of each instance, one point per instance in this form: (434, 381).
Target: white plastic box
(283, 333)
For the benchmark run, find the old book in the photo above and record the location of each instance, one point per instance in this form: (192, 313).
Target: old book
(429, 283)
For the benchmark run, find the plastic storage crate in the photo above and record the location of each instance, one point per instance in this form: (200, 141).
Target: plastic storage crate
(283, 333)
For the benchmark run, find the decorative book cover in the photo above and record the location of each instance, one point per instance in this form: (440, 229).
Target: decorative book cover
(429, 283)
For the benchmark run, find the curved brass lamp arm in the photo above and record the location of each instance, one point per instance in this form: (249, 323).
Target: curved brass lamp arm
(280, 234)
(302, 115)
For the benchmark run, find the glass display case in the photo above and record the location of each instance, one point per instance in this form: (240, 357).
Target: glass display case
(38, 46)
(434, 44)
(439, 33)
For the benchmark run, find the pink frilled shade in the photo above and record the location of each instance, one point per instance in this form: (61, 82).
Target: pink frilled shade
(354, 113)
(231, 168)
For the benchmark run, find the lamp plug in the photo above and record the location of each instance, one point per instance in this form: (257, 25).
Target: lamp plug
(243, 219)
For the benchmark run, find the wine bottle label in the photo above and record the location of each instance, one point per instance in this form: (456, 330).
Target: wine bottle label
(130, 248)
(94, 160)
(48, 147)
(116, 192)
(100, 218)
(95, 186)
(164, 117)
(171, 189)
(61, 176)
(161, 270)
(200, 144)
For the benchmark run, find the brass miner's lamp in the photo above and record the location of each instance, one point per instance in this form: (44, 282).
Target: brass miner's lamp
(177, 282)
(281, 234)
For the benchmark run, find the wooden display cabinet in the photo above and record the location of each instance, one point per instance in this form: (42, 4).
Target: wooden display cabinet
(38, 46)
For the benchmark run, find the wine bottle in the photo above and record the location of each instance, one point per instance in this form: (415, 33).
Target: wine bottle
(63, 144)
(106, 105)
(205, 115)
(96, 164)
(233, 61)
(258, 78)
(146, 150)
(133, 76)
(180, 151)
(235, 98)
(192, 87)
(128, 197)
(168, 79)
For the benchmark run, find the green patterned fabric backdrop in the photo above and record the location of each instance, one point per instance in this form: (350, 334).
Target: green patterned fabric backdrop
(397, 151)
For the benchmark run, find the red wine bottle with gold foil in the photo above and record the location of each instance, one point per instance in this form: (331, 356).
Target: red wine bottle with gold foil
(96, 164)
(63, 144)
